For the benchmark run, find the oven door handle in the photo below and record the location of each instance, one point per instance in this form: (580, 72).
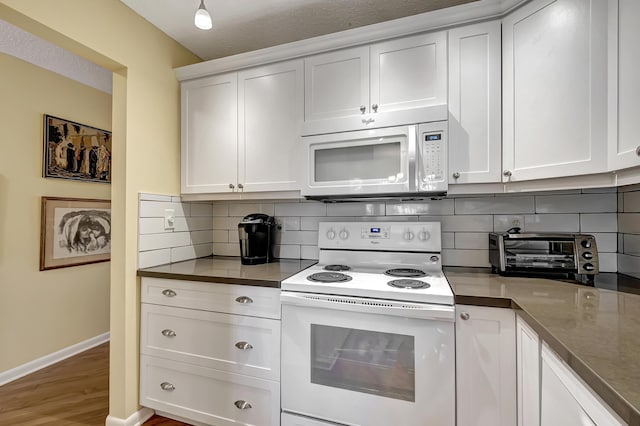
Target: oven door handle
(372, 306)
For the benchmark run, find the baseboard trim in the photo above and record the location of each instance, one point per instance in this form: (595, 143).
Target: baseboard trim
(136, 419)
(47, 360)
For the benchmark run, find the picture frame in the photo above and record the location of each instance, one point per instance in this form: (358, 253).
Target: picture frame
(74, 231)
(75, 151)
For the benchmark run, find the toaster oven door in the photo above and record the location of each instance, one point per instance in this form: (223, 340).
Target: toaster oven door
(540, 255)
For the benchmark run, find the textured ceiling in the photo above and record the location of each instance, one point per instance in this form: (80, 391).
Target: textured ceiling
(245, 25)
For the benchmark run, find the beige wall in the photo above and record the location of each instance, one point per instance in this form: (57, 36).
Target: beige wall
(43, 312)
(146, 133)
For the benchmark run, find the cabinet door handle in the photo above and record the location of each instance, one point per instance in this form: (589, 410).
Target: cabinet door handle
(167, 386)
(168, 333)
(363, 109)
(465, 316)
(231, 186)
(374, 107)
(456, 175)
(244, 345)
(638, 151)
(169, 293)
(244, 300)
(240, 186)
(242, 405)
(507, 173)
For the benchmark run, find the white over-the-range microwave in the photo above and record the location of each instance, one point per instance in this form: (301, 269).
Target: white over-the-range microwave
(405, 161)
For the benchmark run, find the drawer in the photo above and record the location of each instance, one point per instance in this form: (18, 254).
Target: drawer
(207, 395)
(229, 298)
(235, 343)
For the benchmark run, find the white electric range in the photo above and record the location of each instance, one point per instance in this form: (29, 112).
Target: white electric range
(372, 324)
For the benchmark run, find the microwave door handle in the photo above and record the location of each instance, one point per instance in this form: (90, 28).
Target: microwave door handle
(413, 176)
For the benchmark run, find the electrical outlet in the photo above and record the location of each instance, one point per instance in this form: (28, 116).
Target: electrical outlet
(169, 218)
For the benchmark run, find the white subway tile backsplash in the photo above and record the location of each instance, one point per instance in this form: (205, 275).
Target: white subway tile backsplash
(166, 240)
(226, 249)
(201, 237)
(301, 209)
(202, 209)
(297, 237)
(288, 223)
(356, 209)
(221, 222)
(432, 207)
(472, 240)
(147, 259)
(220, 236)
(157, 208)
(308, 252)
(631, 202)
(311, 223)
(151, 225)
(598, 222)
(220, 210)
(495, 205)
(466, 223)
(502, 223)
(607, 242)
(629, 265)
(606, 190)
(246, 209)
(154, 197)
(552, 223)
(179, 254)
(629, 223)
(474, 258)
(176, 199)
(286, 251)
(583, 203)
(608, 262)
(631, 244)
(448, 240)
(192, 223)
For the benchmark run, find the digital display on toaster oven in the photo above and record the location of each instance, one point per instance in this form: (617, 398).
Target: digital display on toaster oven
(434, 137)
(375, 230)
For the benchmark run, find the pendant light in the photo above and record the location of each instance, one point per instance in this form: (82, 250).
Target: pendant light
(202, 18)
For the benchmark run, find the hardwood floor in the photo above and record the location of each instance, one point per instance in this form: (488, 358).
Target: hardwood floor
(73, 392)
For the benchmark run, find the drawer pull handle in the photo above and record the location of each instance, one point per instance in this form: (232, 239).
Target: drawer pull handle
(244, 345)
(167, 386)
(465, 316)
(168, 333)
(244, 300)
(169, 293)
(242, 405)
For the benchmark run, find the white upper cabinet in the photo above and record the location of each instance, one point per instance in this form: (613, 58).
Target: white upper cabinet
(475, 104)
(270, 100)
(555, 89)
(241, 131)
(624, 85)
(209, 134)
(396, 82)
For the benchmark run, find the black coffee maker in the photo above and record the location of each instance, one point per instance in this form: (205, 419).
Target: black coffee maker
(256, 233)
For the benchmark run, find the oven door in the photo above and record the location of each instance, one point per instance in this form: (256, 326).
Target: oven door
(377, 161)
(366, 362)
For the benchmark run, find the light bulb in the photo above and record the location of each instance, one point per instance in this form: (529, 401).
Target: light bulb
(202, 19)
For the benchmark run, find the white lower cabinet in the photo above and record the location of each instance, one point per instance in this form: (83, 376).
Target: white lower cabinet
(528, 374)
(485, 366)
(210, 353)
(566, 400)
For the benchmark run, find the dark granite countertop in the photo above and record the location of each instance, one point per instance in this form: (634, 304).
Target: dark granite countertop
(596, 330)
(222, 269)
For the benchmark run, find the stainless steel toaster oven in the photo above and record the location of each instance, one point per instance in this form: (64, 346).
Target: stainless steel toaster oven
(541, 253)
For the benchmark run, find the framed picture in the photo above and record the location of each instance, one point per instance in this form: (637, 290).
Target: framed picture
(75, 151)
(74, 231)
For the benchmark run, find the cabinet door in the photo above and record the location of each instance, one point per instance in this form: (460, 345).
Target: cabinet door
(209, 134)
(528, 374)
(270, 118)
(336, 85)
(624, 85)
(485, 366)
(475, 108)
(554, 76)
(409, 73)
(566, 400)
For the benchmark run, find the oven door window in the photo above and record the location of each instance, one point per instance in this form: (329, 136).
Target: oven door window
(363, 361)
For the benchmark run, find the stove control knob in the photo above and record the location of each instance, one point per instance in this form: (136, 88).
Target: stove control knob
(331, 234)
(344, 234)
(408, 235)
(424, 235)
